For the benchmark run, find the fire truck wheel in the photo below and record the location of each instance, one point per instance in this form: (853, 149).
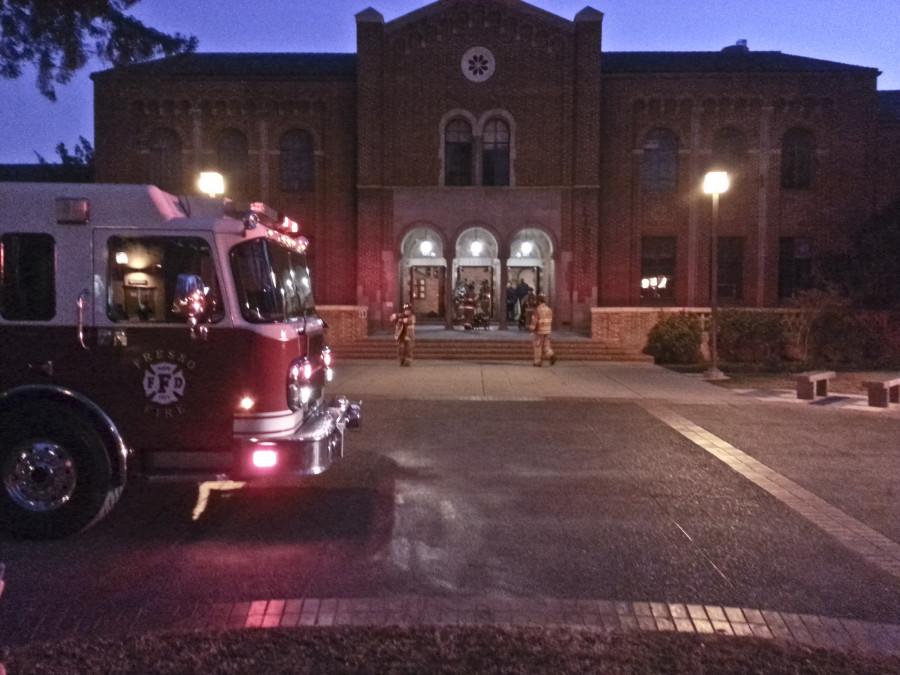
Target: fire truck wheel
(55, 473)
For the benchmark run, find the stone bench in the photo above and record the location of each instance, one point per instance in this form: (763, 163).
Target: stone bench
(883, 390)
(814, 383)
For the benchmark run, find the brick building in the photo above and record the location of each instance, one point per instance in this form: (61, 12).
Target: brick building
(491, 143)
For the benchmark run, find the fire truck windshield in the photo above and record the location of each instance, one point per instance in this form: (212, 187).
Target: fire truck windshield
(272, 282)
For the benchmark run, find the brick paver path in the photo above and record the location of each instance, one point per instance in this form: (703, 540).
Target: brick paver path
(592, 615)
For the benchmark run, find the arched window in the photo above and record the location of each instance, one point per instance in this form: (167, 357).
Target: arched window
(297, 168)
(797, 155)
(659, 163)
(495, 154)
(233, 156)
(458, 153)
(729, 150)
(164, 168)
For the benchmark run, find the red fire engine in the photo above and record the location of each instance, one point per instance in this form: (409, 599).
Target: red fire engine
(149, 334)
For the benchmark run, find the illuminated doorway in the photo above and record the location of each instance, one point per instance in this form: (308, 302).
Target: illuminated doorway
(476, 274)
(423, 274)
(529, 274)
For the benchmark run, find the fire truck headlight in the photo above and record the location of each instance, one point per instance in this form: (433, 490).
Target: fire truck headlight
(305, 394)
(307, 370)
(329, 375)
(246, 403)
(327, 357)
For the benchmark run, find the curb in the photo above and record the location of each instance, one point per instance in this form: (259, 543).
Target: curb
(591, 615)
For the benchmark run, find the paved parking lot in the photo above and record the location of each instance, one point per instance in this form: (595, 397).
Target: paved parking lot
(578, 490)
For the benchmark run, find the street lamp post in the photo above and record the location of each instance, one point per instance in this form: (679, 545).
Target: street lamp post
(211, 183)
(714, 183)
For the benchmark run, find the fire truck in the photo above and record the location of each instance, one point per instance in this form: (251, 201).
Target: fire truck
(148, 334)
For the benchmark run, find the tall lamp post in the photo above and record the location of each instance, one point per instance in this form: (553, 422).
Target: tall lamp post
(714, 183)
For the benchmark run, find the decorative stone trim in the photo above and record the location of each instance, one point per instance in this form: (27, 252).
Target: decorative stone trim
(478, 64)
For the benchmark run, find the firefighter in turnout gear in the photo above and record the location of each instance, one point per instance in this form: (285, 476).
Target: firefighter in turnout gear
(405, 334)
(540, 326)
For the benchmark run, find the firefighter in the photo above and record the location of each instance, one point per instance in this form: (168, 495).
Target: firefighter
(405, 334)
(540, 325)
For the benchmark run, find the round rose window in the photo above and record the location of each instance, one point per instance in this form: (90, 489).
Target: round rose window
(478, 64)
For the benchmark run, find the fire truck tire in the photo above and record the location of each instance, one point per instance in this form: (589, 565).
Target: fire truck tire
(56, 477)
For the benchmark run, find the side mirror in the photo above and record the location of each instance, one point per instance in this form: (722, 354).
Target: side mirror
(191, 302)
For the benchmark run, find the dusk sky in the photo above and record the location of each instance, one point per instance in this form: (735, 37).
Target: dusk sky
(864, 33)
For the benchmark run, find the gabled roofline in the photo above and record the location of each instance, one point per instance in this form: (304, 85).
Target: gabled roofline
(543, 15)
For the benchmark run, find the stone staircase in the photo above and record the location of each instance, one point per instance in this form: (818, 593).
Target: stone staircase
(486, 350)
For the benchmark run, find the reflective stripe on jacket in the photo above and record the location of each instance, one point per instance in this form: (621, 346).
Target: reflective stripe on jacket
(542, 320)
(404, 327)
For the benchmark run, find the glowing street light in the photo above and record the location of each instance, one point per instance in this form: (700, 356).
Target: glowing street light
(211, 183)
(715, 183)
(527, 248)
(476, 248)
(426, 248)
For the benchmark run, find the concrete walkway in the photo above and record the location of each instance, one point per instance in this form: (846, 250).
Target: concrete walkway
(522, 382)
(462, 501)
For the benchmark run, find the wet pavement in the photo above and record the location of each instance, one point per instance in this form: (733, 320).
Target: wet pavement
(569, 491)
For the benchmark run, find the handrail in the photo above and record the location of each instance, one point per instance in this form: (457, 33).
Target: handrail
(80, 305)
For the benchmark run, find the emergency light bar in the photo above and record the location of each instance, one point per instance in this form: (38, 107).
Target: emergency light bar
(266, 212)
(255, 213)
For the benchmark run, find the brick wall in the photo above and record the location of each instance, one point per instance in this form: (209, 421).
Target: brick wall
(836, 107)
(346, 323)
(130, 108)
(888, 163)
(576, 132)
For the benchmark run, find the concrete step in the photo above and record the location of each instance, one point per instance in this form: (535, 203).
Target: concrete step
(489, 350)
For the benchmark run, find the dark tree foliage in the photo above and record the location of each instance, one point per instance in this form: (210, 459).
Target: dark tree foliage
(58, 37)
(82, 154)
(867, 272)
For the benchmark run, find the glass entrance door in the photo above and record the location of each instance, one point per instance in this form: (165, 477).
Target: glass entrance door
(530, 273)
(525, 284)
(473, 296)
(425, 291)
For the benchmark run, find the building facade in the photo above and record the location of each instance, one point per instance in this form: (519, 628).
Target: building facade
(472, 148)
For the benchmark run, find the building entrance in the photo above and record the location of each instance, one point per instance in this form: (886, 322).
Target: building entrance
(473, 296)
(476, 274)
(529, 274)
(471, 287)
(423, 274)
(426, 284)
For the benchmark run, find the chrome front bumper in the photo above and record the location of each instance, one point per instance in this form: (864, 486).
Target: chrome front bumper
(307, 451)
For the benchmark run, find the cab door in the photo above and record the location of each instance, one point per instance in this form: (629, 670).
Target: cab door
(171, 388)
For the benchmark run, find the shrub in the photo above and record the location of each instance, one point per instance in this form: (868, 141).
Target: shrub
(675, 339)
(835, 333)
(755, 337)
(840, 336)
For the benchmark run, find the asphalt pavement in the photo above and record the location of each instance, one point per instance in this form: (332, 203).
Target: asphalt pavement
(498, 482)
